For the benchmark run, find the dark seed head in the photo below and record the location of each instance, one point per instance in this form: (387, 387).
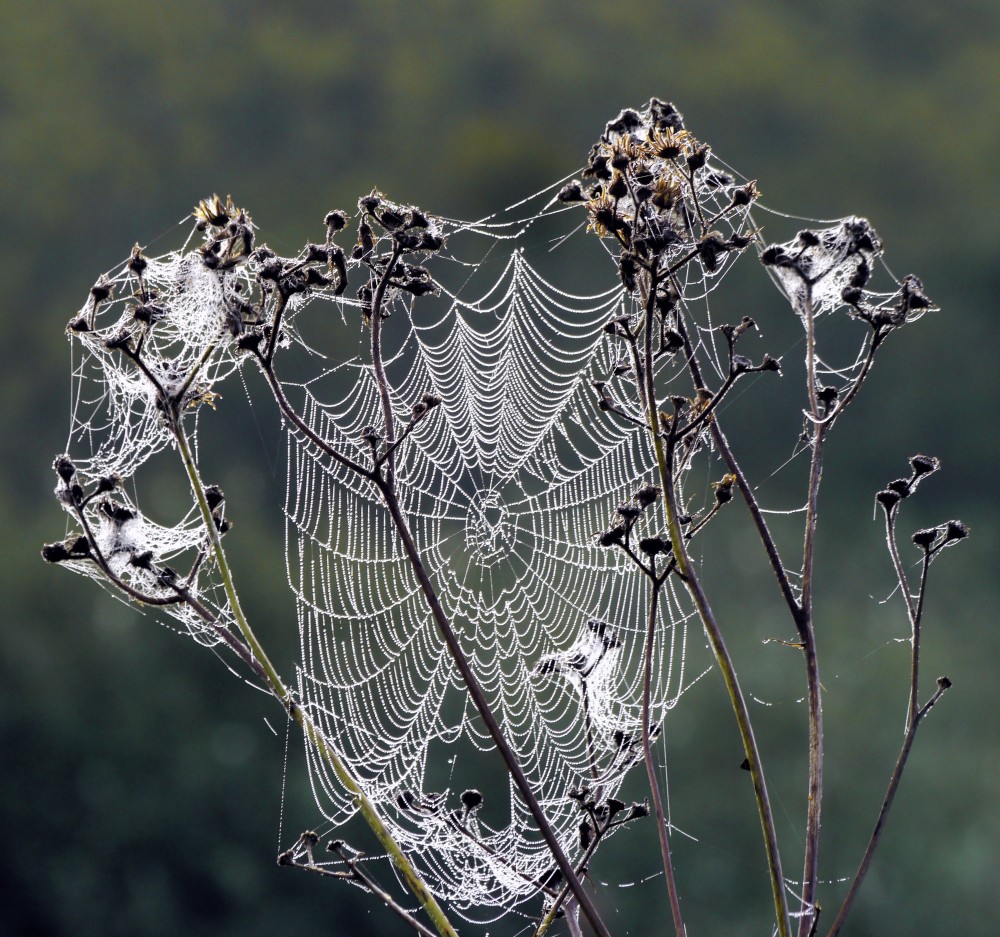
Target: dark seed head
(118, 341)
(64, 467)
(629, 511)
(924, 464)
(406, 800)
(335, 221)
(651, 546)
(955, 530)
(612, 536)
(888, 498)
(851, 295)
(101, 291)
(646, 496)
(369, 203)
(55, 552)
(78, 546)
(571, 192)
(143, 560)
(724, 489)
(902, 486)
(862, 275)
(417, 219)
(827, 395)
(136, 262)
(471, 799)
(699, 157)
(638, 810)
(431, 242)
(107, 483)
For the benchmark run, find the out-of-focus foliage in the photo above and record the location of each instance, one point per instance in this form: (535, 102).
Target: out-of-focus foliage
(140, 787)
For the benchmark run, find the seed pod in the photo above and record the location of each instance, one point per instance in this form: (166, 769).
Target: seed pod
(646, 496)
(955, 530)
(65, 468)
(472, 799)
(55, 552)
(888, 498)
(651, 546)
(612, 536)
(335, 221)
(924, 465)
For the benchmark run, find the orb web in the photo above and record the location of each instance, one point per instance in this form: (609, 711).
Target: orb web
(505, 488)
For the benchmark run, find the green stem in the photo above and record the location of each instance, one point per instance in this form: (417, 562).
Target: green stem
(278, 689)
(713, 633)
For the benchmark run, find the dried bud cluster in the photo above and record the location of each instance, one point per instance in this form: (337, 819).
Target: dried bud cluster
(826, 269)
(817, 269)
(932, 539)
(655, 191)
(921, 466)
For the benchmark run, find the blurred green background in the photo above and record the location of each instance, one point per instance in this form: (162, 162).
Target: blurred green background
(141, 790)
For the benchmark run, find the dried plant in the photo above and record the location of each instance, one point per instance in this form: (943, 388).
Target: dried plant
(491, 508)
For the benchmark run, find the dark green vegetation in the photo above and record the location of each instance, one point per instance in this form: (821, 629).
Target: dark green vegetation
(141, 787)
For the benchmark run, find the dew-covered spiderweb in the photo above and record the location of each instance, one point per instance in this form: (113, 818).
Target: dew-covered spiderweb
(506, 491)
(176, 318)
(505, 487)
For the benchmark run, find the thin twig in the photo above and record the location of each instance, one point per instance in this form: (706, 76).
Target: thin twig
(897, 774)
(714, 634)
(807, 635)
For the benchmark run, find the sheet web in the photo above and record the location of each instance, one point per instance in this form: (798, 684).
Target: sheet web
(182, 310)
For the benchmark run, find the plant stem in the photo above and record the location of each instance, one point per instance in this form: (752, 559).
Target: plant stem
(807, 636)
(712, 631)
(386, 485)
(278, 689)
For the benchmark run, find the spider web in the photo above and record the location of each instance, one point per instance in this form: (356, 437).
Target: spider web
(505, 489)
